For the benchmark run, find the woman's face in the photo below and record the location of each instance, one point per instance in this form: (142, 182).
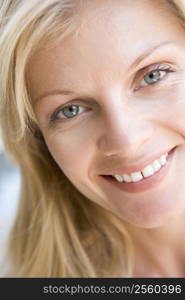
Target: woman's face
(110, 100)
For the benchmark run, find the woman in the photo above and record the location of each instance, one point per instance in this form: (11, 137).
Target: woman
(92, 111)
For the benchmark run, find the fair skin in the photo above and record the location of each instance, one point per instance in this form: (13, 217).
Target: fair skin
(124, 121)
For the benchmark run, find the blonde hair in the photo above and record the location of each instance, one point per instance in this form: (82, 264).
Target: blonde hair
(57, 231)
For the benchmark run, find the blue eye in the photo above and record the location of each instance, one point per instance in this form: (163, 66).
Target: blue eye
(67, 112)
(155, 74)
(153, 77)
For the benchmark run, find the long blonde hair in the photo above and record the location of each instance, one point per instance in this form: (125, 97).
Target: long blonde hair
(57, 231)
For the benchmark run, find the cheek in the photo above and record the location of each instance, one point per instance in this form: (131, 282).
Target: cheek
(72, 152)
(174, 113)
(75, 154)
(167, 108)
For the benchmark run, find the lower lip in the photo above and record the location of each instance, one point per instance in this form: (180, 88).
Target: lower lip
(146, 183)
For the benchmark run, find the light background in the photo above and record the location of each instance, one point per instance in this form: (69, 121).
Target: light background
(9, 195)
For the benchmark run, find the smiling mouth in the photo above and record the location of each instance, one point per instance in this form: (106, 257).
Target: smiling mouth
(149, 170)
(142, 180)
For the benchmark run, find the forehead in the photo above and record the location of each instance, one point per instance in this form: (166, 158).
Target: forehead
(110, 36)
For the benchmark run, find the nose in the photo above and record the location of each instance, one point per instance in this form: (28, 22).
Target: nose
(124, 134)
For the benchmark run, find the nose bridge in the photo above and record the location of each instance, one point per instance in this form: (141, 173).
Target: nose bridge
(123, 132)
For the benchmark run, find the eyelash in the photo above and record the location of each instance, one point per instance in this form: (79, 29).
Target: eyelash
(158, 67)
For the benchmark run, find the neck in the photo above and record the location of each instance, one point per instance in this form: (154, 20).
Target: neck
(159, 252)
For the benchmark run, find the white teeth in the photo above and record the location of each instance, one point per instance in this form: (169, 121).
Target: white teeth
(127, 178)
(163, 160)
(119, 178)
(149, 170)
(156, 165)
(137, 176)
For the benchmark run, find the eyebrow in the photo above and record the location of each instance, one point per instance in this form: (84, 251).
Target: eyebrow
(138, 60)
(53, 92)
(150, 51)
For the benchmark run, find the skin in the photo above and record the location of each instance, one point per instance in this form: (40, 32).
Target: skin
(122, 121)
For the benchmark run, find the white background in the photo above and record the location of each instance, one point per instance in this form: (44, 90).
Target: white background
(9, 195)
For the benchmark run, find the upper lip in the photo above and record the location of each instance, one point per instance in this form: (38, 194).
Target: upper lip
(135, 168)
